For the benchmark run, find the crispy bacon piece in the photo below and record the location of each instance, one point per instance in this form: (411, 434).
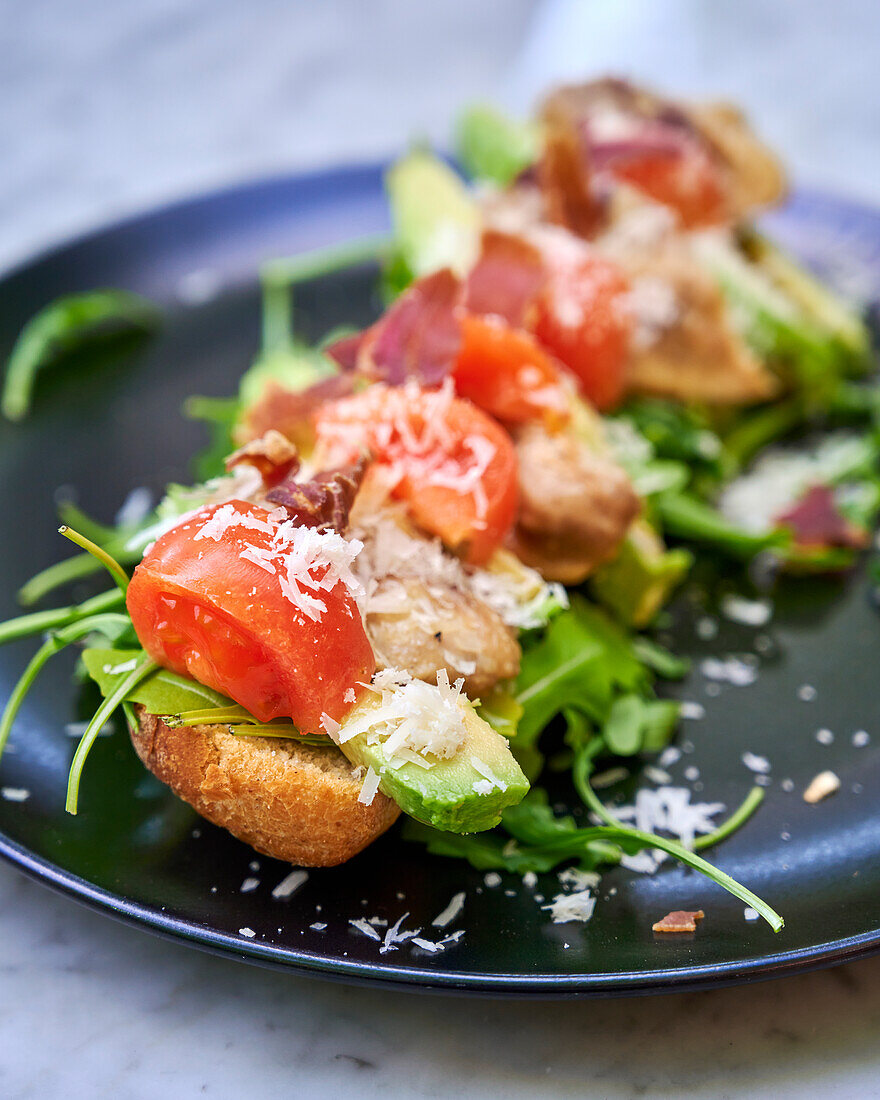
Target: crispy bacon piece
(290, 412)
(680, 920)
(506, 279)
(418, 337)
(346, 350)
(325, 500)
(564, 174)
(817, 521)
(272, 454)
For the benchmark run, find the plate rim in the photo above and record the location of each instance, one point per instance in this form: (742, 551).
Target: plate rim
(387, 974)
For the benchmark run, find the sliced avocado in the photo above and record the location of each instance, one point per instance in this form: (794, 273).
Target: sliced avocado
(818, 302)
(640, 579)
(493, 147)
(436, 221)
(444, 795)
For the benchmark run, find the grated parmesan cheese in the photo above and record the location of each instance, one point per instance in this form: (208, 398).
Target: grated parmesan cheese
(394, 936)
(364, 926)
(748, 612)
(739, 671)
(452, 910)
(566, 908)
(434, 947)
(412, 721)
(669, 809)
(580, 880)
(369, 788)
(289, 884)
(486, 772)
(15, 794)
(760, 765)
(393, 554)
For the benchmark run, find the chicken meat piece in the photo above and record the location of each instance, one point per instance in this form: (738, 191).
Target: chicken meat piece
(576, 505)
(441, 628)
(612, 116)
(693, 353)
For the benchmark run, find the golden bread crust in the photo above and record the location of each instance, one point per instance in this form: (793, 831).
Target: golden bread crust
(288, 800)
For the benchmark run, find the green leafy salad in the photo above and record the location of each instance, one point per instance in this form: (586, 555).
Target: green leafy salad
(592, 375)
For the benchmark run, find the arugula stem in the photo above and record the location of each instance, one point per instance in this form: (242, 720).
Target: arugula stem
(62, 572)
(277, 325)
(289, 732)
(739, 817)
(36, 622)
(49, 648)
(758, 429)
(110, 564)
(675, 848)
(322, 261)
(141, 672)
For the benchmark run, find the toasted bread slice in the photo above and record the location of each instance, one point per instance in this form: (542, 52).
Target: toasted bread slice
(292, 801)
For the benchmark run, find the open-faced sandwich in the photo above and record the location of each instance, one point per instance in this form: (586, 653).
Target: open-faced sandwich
(433, 538)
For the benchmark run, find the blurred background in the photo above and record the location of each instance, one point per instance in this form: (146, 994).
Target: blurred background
(107, 107)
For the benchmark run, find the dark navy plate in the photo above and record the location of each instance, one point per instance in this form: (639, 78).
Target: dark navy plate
(137, 853)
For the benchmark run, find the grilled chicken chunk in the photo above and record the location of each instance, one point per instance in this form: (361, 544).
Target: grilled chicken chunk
(576, 505)
(448, 629)
(697, 355)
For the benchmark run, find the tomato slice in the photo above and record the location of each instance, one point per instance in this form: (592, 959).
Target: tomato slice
(582, 319)
(246, 605)
(507, 373)
(688, 181)
(453, 465)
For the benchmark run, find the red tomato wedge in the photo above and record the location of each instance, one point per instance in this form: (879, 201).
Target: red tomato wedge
(688, 182)
(252, 608)
(453, 465)
(582, 319)
(507, 373)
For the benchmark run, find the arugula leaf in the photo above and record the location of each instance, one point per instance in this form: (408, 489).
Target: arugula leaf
(220, 414)
(659, 659)
(676, 433)
(580, 662)
(181, 701)
(495, 148)
(64, 325)
(622, 730)
(659, 722)
(161, 692)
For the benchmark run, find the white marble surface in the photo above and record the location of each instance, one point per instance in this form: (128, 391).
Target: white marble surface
(105, 108)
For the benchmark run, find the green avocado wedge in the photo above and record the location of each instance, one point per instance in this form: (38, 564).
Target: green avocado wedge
(455, 794)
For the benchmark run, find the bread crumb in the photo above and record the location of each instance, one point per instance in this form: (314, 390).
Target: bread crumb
(824, 784)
